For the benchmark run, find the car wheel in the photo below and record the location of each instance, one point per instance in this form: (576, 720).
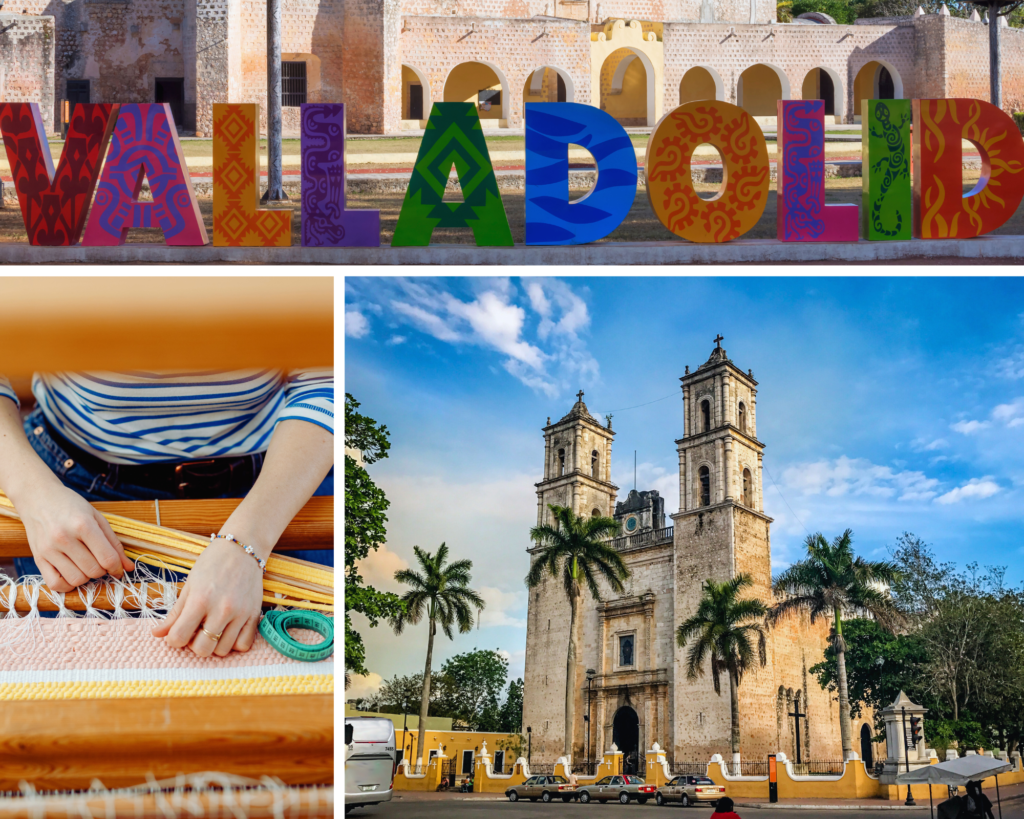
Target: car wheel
(584, 797)
(686, 801)
(567, 799)
(624, 798)
(641, 800)
(659, 800)
(545, 797)
(513, 796)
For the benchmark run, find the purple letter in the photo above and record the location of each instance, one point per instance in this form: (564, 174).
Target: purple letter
(325, 222)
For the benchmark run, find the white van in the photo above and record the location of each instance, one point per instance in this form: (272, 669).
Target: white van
(370, 761)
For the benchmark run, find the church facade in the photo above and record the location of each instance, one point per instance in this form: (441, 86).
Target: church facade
(630, 676)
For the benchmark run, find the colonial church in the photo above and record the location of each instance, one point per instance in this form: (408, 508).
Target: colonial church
(631, 675)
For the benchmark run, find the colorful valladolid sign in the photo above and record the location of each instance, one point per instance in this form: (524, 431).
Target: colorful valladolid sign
(136, 142)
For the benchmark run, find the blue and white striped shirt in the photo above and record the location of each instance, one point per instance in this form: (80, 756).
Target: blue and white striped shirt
(141, 417)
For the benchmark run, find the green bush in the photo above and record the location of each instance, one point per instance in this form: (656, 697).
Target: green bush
(842, 11)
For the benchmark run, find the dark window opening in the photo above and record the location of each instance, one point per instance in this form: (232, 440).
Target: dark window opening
(172, 91)
(742, 412)
(594, 458)
(489, 98)
(561, 462)
(561, 88)
(705, 414)
(827, 92)
(415, 102)
(748, 489)
(886, 87)
(78, 91)
(705, 486)
(293, 83)
(626, 649)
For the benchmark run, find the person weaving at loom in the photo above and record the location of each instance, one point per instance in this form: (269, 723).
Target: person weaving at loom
(262, 435)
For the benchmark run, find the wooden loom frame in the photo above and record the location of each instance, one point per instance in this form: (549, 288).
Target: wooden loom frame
(169, 323)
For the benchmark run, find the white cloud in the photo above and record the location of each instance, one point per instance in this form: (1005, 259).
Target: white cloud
(356, 324)
(845, 476)
(499, 604)
(499, 325)
(394, 341)
(428, 322)
(975, 488)
(1011, 414)
(968, 427)
(1013, 365)
(924, 445)
(363, 686)
(378, 569)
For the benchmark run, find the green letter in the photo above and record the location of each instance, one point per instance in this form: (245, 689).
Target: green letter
(885, 170)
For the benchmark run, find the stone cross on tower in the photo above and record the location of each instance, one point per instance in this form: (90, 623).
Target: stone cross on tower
(579, 395)
(718, 340)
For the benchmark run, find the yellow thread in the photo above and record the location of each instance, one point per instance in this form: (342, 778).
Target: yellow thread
(144, 689)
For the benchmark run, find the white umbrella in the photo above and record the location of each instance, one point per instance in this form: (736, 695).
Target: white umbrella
(957, 772)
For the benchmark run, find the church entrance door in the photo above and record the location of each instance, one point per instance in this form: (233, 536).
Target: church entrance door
(626, 736)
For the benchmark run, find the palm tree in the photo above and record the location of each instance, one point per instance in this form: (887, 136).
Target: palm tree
(442, 593)
(579, 548)
(829, 582)
(724, 629)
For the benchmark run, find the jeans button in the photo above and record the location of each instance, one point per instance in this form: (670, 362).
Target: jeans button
(38, 431)
(68, 463)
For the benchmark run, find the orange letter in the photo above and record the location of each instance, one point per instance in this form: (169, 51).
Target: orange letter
(736, 208)
(941, 210)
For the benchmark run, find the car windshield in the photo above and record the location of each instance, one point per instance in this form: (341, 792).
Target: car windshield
(703, 780)
(557, 780)
(607, 780)
(634, 780)
(678, 781)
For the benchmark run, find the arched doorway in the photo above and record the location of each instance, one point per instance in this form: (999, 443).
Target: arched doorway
(700, 83)
(876, 81)
(627, 88)
(484, 86)
(549, 84)
(415, 97)
(866, 746)
(824, 84)
(626, 735)
(759, 89)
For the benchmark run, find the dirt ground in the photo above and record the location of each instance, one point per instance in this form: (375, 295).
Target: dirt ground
(639, 226)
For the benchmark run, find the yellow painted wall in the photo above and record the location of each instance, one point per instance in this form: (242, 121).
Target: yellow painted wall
(812, 85)
(761, 91)
(631, 104)
(643, 38)
(864, 87)
(454, 743)
(467, 80)
(549, 87)
(697, 84)
(409, 78)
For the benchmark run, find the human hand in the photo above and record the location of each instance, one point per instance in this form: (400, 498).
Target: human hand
(222, 596)
(72, 543)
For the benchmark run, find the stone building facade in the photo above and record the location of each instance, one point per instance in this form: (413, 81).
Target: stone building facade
(388, 60)
(630, 675)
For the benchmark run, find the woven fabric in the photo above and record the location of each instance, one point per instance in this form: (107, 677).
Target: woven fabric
(97, 659)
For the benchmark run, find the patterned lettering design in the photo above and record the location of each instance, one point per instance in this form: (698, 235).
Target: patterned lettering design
(941, 210)
(237, 221)
(746, 176)
(54, 205)
(453, 137)
(803, 215)
(887, 193)
(145, 145)
(325, 222)
(551, 219)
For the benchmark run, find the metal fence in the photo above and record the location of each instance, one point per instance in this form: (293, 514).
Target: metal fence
(586, 768)
(541, 769)
(752, 768)
(819, 767)
(683, 768)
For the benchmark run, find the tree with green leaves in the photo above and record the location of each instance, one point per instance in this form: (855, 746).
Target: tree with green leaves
(578, 548)
(471, 685)
(510, 718)
(365, 530)
(830, 582)
(441, 592)
(725, 630)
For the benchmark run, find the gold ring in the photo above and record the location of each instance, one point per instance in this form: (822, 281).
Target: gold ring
(214, 637)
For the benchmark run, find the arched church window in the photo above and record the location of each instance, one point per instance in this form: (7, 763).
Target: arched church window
(748, 489)
(742, 419)
(561, 462)
(596, 513)
(705, 486)
(705, 416)
(594, 461)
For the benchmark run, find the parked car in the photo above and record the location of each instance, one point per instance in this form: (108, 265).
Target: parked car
(624, 788)
(689, 790)
(544, 787)
(370, 761)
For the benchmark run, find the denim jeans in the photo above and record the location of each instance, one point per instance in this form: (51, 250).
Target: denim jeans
(108, 486)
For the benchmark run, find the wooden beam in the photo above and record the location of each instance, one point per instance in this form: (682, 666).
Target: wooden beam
(65, 744)
(165, 323)
(311, 528)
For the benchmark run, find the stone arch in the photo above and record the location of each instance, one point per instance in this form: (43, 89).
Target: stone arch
(762, 80)
(411, 75)
(867, 82)
(626, 732)
(699, 82)
(461, 81)
(633, 57)
(538, 78)
(814, 88)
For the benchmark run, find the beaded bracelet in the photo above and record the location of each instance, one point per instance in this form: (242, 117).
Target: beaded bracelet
(247, 549)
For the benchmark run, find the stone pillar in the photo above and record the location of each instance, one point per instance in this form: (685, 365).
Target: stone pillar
(608, 471)
(719, 472)
(218, 59)
(896, 751)
(577, 449)
(682, 481)
(547, 457)
(728, 416)
(752, 420)
(686, 411)
(760, 483)
(371, 66)
(689, 481)
(727, 471)
(719, 417)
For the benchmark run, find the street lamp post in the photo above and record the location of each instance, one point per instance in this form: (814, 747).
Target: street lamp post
(590, 679)
(906, 753)
(275, 189)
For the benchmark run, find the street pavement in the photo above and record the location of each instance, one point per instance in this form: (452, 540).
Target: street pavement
(414, 805)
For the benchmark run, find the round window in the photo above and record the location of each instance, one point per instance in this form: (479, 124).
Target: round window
(631, 524)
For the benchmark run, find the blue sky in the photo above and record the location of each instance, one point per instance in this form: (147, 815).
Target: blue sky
(886, 405)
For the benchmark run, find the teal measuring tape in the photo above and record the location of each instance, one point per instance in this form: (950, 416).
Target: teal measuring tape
(274, 628)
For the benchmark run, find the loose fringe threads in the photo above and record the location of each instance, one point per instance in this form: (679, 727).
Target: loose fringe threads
(211, 795)
(150, 595)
